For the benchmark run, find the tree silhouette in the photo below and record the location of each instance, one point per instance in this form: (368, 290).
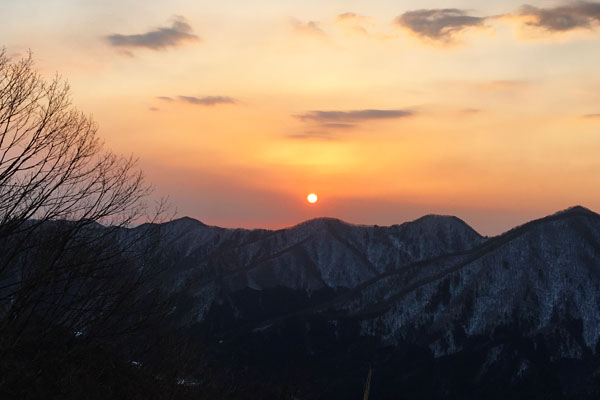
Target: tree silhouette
(69, 268)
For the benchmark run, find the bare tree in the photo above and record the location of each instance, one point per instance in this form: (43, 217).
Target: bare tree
(52, 164)
(67, 261)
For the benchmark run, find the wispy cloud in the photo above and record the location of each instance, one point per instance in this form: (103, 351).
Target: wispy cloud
(202, 101)
(342, 126)
(471, 111)
(310, 27)
(207, 100)
(354, 22)
(438, 24)
(332, 125)
(578, 14)
(349, 16)
(158, 39)
(591, 116)
(353, 116)
(314, 135)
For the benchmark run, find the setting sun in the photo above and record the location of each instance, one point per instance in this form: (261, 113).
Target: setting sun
(312, 198)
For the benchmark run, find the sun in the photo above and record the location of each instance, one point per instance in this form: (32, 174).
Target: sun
(312, 198)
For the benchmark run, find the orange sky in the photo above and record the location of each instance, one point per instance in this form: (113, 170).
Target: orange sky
(386, 109)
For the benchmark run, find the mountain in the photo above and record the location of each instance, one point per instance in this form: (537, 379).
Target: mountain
(210, 263)
(435, 309)
(320, 253)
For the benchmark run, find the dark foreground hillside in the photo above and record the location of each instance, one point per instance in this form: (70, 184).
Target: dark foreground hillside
(433, 309)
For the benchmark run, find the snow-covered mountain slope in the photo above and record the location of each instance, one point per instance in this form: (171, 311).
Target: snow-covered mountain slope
(539, 274)
(438, 310)
(319, 253)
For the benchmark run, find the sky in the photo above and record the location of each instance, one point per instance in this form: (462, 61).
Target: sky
(388, 110)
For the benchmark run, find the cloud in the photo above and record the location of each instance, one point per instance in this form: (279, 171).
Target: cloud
(354, 21)
(591, 116)
(471, 111)
(313, 135)
(202, 101)
(329, 125)
(578, 14)
(438, 24)
(338, 126)
(208, 100)
(324, 131)
(352, 116)
(158, 39)
(348, 16)
(310, 27)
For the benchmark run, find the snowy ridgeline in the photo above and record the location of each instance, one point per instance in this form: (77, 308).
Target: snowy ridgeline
(434, 274)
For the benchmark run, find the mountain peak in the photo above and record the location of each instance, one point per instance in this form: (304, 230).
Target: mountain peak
(186, 221)
(439, 218)
(447, 221)
(321, 221)
(575, 210)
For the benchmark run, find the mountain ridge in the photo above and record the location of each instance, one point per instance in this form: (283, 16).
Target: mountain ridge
(324, 220)
(315, 221)
(478, 317)
(475, 253)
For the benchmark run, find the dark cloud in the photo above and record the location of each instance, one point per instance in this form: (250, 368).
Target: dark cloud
(438, 24)
(202, 101)
(160, 38)
(328, 117)
(578, 14)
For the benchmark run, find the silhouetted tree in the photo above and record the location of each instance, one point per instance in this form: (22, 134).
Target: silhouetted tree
(68, 266)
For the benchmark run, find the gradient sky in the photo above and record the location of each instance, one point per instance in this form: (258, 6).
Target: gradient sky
(388, 110)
